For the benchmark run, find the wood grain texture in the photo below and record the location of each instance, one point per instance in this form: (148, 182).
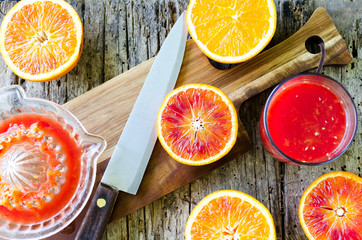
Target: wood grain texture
(347, 17)
(115, 99)
(7, 77)
(111, 26)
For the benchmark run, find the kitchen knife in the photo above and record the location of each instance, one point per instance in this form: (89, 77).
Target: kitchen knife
(128, 163)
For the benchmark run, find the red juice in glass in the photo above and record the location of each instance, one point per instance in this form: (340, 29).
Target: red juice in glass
(308, 119)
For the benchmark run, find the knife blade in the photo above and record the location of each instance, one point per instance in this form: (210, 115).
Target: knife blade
(129, 160)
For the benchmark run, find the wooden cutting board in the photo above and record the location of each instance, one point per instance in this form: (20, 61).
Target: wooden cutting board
(104, 110)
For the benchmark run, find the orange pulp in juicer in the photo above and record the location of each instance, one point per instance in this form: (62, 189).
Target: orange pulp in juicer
(39, 168)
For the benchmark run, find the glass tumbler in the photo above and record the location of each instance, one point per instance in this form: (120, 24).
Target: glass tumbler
(269, 141)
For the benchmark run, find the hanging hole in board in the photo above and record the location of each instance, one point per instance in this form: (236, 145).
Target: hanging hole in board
(312, 44)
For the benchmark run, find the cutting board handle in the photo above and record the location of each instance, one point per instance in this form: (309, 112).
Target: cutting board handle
(291, 57)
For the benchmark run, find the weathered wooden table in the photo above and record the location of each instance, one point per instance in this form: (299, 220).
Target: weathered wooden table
(120, 34)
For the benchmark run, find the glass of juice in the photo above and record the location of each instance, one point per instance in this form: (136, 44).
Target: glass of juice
(309, 119)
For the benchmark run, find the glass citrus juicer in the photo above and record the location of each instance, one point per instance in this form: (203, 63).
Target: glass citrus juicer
(47, 166)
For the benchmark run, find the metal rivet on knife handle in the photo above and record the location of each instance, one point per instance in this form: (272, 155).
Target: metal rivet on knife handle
(101, 202)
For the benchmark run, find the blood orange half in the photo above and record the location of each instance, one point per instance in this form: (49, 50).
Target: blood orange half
(331, 207)
(229, 214)
(197, 124)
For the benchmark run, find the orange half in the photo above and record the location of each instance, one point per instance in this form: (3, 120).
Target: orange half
(197, 124)
(331, 207)
(41, 40)
(230, 214)
(231, 31)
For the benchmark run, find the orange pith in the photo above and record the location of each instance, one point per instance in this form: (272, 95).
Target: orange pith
(231, 31)
(197, 124)
(41, 39)
(229, 214)
(331, 207)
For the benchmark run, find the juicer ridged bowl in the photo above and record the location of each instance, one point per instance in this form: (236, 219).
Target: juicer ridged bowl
(14, 102)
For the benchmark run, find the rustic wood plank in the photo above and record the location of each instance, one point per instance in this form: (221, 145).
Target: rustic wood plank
(137, 38)
(116, 62)
(152, 216)
(175, 205)
(265, 184)
(293, 15)
(7, 77)
(89, 71)
(147, 27)
(347, 18)
(256, 172)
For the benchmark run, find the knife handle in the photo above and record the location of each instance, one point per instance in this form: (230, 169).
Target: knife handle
(98, 213)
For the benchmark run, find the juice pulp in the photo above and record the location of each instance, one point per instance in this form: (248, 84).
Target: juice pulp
(306, 121)
(46, 177)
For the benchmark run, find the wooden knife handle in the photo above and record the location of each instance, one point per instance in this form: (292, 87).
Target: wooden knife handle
(98, 214)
